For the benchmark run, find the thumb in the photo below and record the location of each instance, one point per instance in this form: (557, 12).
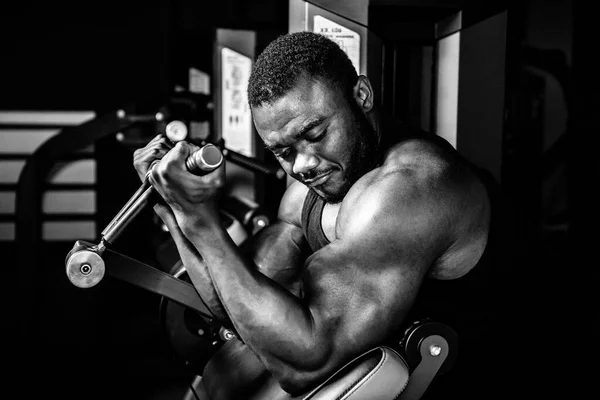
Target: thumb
(182, 150)
(180, 153)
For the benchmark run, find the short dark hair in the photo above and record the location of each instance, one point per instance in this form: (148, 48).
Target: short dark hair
(287, 58)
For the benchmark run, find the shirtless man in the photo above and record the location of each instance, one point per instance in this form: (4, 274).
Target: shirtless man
(374, 212)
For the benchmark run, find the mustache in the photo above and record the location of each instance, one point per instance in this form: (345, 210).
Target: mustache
(313, 174)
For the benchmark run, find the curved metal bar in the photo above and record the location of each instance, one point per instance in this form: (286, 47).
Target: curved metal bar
(253, 164)
(28, 203)
(28, 211)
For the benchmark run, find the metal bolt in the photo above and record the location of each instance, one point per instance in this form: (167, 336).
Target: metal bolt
(227, 334)
(176, 131)
(85, 269)
(435, 350)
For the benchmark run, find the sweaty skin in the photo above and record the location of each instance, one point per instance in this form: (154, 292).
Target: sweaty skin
(419, 213)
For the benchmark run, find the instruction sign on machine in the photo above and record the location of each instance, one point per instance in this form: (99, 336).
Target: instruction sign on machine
(347, 39)
(236, 118)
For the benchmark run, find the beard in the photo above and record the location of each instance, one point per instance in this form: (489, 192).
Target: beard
(362, 158)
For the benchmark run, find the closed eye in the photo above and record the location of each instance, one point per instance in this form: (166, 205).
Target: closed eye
(318, 137)
(282, 153)
(279, 152)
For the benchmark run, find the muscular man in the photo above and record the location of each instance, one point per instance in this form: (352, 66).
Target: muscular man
(376, 212)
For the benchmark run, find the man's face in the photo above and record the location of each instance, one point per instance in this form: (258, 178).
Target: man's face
(319, 137)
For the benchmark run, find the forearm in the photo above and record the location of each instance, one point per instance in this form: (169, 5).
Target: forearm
(195, 267)
(279, 252)
(267, 316)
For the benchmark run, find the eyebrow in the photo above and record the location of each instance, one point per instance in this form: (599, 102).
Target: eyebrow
(308, 127)
(302, 132)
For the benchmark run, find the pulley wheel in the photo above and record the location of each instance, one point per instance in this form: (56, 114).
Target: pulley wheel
(192, 337)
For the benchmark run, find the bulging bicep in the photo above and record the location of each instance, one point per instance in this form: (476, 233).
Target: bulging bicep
(358, 297)
(360, 287)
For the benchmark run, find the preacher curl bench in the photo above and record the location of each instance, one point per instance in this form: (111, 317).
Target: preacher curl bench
(401, 370)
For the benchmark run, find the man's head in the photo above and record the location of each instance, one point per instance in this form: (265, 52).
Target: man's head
(310, 108)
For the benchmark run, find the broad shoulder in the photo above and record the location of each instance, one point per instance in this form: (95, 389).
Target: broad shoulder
(422, 189)
(424, 155)
(290, 207)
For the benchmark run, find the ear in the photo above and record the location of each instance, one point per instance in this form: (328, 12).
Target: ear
(363, 93)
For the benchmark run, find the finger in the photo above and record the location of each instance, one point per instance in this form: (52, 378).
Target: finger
(156, 138)
(152, 177)
(193, 148)
(157, 179)
(158, 142)
(180, 151)
(158, 150)
(173, 159)
(161, 142)
(151, 167)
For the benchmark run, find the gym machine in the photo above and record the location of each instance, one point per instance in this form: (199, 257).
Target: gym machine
(86, 262)
(242, 217)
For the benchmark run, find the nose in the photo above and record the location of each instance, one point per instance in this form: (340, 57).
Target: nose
(304, 162)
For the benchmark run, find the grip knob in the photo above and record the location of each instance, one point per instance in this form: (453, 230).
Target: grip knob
(85, 268)
(204, 160)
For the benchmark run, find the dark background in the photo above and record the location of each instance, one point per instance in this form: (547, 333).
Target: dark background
(99, 55)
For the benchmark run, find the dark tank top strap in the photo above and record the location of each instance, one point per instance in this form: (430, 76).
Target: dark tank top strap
(312, 211)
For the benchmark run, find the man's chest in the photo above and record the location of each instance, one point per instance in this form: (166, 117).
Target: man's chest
(329, 220)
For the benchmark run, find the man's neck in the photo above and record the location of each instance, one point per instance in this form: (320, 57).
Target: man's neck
(374, 118)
